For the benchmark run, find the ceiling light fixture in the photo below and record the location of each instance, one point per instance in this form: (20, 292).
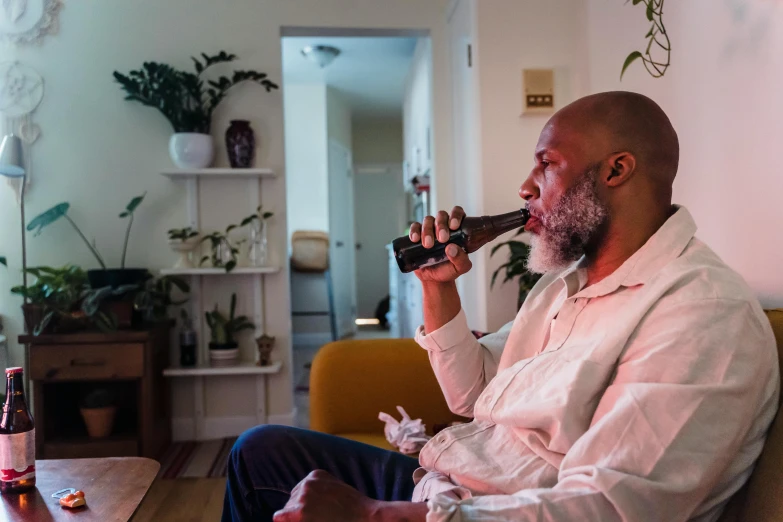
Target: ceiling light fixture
(323, 55)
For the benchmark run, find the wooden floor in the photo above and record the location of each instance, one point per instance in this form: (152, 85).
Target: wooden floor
(183, 500)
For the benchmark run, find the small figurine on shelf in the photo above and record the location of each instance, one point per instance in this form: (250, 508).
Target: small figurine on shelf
(265, 345)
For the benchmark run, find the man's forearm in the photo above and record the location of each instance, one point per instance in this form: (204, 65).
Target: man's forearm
(441, 304)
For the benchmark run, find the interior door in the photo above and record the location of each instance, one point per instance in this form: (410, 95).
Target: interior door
(342, 238)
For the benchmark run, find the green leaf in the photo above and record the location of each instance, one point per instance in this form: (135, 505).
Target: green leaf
(268, 215)
(47, 218)
(135, 202)
(650, 32)
(248, 220)
(650, 11)
(230, 265)
(3, 261)
(124, 214)
(628, 61)
(635, 2)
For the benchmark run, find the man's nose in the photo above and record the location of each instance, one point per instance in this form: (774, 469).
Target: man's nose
(528, 190)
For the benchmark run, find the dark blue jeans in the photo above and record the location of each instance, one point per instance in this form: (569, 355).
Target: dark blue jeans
(268, 461)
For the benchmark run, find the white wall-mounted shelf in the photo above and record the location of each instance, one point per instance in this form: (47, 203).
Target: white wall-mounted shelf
(242, 270)
(241, 368)
(219, 173)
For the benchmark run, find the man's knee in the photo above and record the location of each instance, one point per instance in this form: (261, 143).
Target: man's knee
(262, 439)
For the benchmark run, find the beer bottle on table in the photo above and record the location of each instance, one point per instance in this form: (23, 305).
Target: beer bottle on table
(473, 233)
(17, 438)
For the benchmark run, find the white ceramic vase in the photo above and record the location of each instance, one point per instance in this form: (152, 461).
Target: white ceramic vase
(184, 248)
(191, 150)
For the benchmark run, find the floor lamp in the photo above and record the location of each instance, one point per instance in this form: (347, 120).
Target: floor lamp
(12, 166)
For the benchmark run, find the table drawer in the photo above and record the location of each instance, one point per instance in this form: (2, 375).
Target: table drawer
(85, 362)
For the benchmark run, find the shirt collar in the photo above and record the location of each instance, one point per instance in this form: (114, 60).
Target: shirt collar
(664, 246)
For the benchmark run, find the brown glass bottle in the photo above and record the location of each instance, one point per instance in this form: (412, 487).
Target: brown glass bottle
(17, 438)
(473, 233)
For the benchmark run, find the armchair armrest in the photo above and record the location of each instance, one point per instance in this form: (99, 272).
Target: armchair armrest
(352, 381)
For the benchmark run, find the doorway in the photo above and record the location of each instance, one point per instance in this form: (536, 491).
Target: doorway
(357, 123)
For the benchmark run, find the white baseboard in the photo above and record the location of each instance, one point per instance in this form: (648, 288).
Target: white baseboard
(184, 428)
(286, 419)
(311, 339)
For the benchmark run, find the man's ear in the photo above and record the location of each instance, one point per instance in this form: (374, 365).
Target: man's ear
(622, 166)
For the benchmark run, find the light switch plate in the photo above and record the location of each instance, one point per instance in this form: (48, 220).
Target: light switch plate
(538, 91)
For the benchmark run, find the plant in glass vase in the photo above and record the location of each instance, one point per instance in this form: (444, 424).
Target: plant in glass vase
(257, 253)
(223, 251)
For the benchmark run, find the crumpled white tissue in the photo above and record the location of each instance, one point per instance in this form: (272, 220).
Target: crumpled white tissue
(407, 435)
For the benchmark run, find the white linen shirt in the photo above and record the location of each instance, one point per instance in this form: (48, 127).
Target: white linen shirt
(649, 401)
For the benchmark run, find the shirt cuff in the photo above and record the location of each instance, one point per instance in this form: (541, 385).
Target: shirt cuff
(447, 336)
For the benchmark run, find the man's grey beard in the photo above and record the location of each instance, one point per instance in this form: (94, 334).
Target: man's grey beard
(569, 227)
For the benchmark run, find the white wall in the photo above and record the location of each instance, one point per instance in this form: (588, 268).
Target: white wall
(306, 157)
(377, 140)
(417, 111)
(723, 95)
(98, 150)
(512, 35)
(379, 205)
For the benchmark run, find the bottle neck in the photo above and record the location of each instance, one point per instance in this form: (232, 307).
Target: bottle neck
(503, 223)
(14, 387)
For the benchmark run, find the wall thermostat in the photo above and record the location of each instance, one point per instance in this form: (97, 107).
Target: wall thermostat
(538, 91)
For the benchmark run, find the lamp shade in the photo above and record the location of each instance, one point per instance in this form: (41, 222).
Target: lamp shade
(11, 158)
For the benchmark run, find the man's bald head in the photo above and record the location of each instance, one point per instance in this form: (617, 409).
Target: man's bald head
(619, 121)
(603, 174)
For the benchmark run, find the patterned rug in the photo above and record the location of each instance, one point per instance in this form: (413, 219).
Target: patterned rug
(206, 459)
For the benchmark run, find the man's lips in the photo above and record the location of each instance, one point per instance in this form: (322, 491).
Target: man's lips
(533, 224)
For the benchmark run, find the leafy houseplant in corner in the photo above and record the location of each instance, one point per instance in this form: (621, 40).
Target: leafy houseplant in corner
(61, 301)
(516, 267)
(104, 277)
(183, 241)
(98, 411)
(223, 347)
(186, 102)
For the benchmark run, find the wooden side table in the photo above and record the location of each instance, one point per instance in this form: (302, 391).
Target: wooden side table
(64, 368)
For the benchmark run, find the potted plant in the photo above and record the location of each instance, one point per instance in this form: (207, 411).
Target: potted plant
(98, 411)
(186, 102)
(183, 241)
(156, 295)
(223, 348)
(223, 252)
(60, 300)
(103, 277)
(257, 254)
(516, 267)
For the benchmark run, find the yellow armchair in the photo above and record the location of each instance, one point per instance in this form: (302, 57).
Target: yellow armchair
(352, 381)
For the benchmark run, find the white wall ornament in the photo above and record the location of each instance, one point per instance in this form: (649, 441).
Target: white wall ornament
(28, 21)
(21, 92)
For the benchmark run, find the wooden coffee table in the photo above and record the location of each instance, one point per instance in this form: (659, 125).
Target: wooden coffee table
(113, 488)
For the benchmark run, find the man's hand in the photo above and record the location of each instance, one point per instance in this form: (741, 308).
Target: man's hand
(322, 498)
(438, 228)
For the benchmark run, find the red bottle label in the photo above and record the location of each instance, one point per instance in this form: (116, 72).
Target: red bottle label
(17, 456)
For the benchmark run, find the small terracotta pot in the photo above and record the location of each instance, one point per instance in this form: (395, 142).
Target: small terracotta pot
(99, 421)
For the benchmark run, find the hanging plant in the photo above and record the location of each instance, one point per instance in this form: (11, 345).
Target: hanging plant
(657, 42)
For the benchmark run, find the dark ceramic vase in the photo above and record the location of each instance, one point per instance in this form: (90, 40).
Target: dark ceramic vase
(240, 144)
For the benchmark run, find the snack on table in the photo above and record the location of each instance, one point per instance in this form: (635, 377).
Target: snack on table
(73, 500)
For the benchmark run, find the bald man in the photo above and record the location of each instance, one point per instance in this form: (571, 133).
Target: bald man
(637, 382)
